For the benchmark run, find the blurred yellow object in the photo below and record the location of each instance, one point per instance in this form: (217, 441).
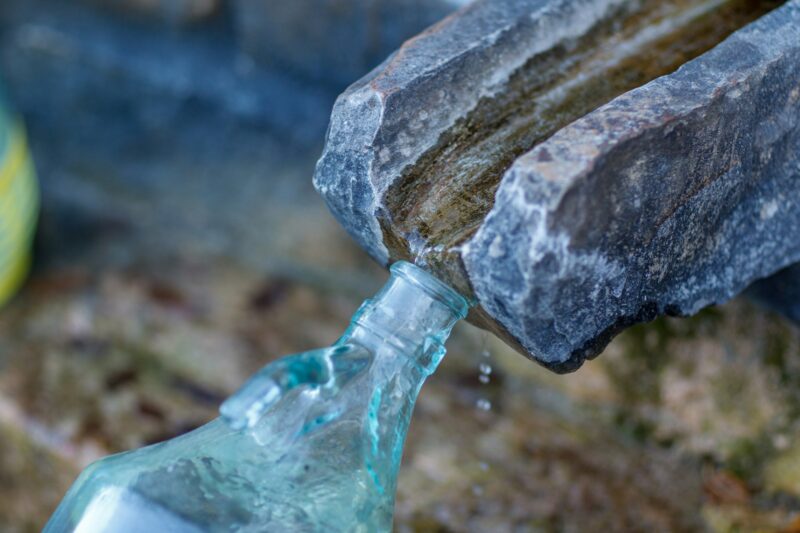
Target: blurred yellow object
(18, 206)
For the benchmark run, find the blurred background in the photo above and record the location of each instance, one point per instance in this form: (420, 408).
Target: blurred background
(181, 246)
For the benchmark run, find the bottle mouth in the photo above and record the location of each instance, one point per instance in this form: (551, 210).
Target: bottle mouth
(432, 286)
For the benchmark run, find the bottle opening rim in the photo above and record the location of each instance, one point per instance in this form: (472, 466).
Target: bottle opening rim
(433, 286)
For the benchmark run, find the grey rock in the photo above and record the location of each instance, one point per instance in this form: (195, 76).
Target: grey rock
(56, 56)
(145, 136)
(673, 196)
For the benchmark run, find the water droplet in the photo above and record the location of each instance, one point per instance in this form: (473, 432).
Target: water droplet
(485, 368)
(483, 378)
(477, 490)
(484, 405)
(486, 353)
(483, 466)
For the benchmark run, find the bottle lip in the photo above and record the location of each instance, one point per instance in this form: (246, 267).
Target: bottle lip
(433, 286)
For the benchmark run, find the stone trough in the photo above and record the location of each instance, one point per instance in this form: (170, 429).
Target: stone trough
(577, 167)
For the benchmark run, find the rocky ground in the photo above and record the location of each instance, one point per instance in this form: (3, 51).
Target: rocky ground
(682, 425)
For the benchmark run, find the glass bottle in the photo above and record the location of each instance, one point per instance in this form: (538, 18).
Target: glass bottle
(312, 442)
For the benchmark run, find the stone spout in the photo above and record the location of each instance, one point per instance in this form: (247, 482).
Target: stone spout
(579, 166)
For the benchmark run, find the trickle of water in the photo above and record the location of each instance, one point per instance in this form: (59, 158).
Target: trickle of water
(484, 405)
(484, 377)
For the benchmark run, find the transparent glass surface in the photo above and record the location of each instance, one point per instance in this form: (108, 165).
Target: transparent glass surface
(312, 442)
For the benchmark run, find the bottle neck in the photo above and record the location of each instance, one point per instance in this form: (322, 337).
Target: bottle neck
(404, 328)
(412, 314)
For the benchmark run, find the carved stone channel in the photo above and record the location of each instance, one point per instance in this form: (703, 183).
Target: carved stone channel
(579, 166)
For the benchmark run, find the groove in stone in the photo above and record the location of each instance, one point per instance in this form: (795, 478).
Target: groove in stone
(439, 201)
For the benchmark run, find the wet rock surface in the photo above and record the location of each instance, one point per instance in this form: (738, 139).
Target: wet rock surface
(669, 198)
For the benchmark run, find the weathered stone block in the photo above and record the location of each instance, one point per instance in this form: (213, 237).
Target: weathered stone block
(671, 197)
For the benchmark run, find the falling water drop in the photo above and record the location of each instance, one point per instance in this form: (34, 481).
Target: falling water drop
(484, 377)
(484, 405)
